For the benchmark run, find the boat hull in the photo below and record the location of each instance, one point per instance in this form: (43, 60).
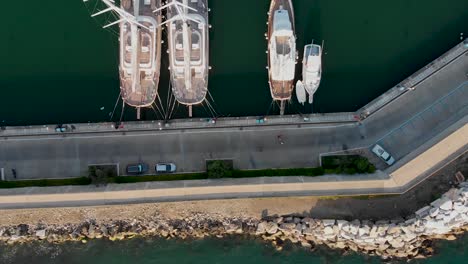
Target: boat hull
(280, 90)
(300, 92)
(312, 74)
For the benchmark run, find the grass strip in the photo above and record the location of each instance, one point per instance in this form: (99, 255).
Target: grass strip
(163, 177)
(232, 174)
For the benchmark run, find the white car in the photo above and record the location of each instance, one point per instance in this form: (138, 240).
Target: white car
(165, 167)
(379, 151)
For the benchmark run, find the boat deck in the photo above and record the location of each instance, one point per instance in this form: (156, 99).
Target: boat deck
(281, 90)
(139, 83)
(194, 90)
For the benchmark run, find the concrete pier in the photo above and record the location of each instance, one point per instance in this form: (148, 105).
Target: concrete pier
(409, 121)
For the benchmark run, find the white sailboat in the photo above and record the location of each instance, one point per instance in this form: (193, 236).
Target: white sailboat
(300, 92)
(140, 48)
(312, 69)
(188, 40)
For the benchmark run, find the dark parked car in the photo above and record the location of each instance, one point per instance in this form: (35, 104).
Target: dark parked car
(136, 169)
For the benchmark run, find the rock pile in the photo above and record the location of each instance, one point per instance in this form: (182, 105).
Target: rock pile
(410, 238)
(197, 226)
(396, 238)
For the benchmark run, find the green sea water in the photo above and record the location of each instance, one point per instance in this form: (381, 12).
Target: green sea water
(57, 65)
(207, 251)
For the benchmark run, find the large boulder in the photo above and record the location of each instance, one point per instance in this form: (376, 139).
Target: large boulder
(435, 224)
(382, 230)
(346, 236)
(434, 211)
(328, 222)
(287, 227)
(447, 205)
(384, 246)
(271, 228)
(441, 201)
(91, 231)
(393, 229)
(340, 245)
(261, 228)
(423, 211)
(397, 243)
(233, 228)
(363, 231)
(341, 223)
(308, 231)
(278, 220)
(451, 216)
(460, 207)
(41, 234)
(373, 233)
(328, 231)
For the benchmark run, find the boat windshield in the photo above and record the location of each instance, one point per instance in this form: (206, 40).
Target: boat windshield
(315, 51)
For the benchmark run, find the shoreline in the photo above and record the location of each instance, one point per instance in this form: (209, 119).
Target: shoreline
(398, 238)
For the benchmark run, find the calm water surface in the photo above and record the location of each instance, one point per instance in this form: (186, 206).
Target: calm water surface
(227, 251)
(57, 65)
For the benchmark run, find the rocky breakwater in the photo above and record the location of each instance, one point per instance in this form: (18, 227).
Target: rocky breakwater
(196, 226)
(403, 238)
(410, 238)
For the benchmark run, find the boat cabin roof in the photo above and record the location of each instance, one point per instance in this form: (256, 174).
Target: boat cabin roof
(282, 23)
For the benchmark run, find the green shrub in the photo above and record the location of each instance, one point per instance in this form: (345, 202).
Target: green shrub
(350, 171)
(219, 169)
(347, 164)
(102, 174)
(278, 172)
(361, 164)
(371, 168)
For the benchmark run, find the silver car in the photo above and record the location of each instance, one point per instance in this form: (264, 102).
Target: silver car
(165, 167)
(379, 151)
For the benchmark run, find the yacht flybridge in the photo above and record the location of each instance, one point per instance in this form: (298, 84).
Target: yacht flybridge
(282, 53)
(140, 49)
(187, 33)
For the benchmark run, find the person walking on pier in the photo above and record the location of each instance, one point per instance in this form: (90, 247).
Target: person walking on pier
(280, 139)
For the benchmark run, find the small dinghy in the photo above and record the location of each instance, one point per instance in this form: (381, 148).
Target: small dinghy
(300, 92)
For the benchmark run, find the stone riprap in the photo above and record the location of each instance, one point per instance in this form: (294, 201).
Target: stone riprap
(402, 238)
(399, 238)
